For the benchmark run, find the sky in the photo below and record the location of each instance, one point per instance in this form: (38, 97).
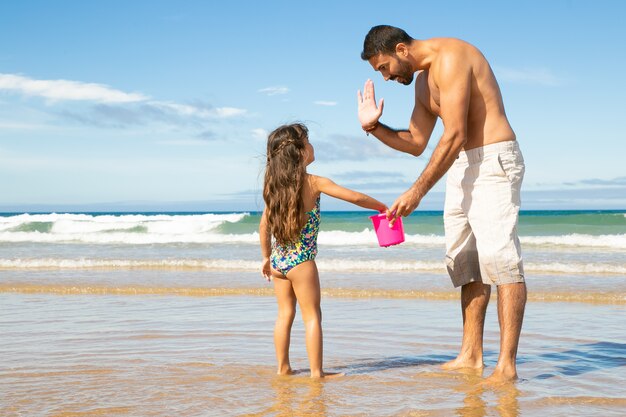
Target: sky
(166, 106)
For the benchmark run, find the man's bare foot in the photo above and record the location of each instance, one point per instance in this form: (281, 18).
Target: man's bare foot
(328, 375)
(462, 362)
(500, 377)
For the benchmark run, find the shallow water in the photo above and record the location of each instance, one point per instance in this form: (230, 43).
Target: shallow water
(167, 315)
(84, 355)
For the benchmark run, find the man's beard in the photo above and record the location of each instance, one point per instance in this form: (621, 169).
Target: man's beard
(406, 74)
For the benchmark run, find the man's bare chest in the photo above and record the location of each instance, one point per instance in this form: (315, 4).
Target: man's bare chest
(427, 93)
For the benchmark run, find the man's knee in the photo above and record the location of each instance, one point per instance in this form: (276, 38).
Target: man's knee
(514, 291)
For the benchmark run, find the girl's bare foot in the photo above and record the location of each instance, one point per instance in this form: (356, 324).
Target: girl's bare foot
(285, 371)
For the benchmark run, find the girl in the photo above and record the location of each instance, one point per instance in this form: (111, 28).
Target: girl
(292, 217)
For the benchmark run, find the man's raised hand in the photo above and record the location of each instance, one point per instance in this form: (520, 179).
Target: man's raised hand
(369, 113)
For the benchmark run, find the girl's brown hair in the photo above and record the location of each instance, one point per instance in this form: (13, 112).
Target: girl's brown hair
(285, 173)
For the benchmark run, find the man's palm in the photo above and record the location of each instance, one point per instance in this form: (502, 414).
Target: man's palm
(369, 113)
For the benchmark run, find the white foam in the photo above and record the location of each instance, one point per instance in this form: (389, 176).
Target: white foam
(367, 237)
(124, 229)
(339, 265)
(575, 268)
(333, 265)
(52, 263)
(578, 240)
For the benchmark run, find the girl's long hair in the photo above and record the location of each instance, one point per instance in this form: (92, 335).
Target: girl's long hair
(285, 173)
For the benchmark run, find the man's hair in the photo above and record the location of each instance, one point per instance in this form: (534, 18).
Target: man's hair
(383, 40)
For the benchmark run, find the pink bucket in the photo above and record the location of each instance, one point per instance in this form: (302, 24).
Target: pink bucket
(387, 236)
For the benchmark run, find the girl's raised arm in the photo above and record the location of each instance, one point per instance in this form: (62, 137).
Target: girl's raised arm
(328, 187)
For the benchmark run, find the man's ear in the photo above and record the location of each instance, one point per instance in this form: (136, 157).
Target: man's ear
(402, 49)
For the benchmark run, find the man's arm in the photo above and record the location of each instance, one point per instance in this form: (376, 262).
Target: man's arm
(412, 141)
(454, 79)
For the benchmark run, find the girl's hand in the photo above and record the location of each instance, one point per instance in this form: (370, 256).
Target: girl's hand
(368, 112)
(266, 269)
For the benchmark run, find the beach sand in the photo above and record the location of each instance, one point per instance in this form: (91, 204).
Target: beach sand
(80, 351)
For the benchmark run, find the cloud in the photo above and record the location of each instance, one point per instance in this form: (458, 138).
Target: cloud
(580, 198)
(183, 142)
(540, 76)
(378, 186)
(207, 135)
(259, 133)
(325, 103)
(366, 175)
(373, 181)
(67, 90)
(136, 114)
(612, 182)
(202, 111)
(114, 108)
(340, 147)
(619, 181)
(224, 112)
(22, 126)
(115, 116)
(274, 91)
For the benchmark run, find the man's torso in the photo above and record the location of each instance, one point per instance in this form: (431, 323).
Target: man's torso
(486, 120)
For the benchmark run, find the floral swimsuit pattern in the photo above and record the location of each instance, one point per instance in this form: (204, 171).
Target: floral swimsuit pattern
(285, 257)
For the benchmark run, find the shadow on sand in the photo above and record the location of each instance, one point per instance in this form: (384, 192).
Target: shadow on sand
(392, 362)
(586, 358)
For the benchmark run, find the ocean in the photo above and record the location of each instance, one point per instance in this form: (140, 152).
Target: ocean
(167, 314)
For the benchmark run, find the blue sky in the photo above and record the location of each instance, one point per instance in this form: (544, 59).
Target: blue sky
(165, 105)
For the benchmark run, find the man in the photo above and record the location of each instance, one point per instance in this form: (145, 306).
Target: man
(479, 151)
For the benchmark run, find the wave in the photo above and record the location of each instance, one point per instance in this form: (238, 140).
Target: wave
(331, 265)
(138, 235)
(140, 229)
(578, 240)
(134, 229)
(132, 290)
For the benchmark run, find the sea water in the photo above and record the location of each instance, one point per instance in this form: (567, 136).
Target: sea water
(167, 314)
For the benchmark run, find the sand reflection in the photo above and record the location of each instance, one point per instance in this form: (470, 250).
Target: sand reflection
(298, 396)
(478, 401)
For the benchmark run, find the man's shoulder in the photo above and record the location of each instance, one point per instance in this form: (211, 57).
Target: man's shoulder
(446, 43)
(453, 57)
(454, 49)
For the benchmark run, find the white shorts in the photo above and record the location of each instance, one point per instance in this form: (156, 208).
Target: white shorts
(481, 213)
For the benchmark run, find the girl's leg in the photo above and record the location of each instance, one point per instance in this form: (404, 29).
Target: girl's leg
(282, 330)
(306, 285)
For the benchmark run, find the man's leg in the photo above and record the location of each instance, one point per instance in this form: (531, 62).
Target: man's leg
(493, 216)
(511, 304)
(474, 301)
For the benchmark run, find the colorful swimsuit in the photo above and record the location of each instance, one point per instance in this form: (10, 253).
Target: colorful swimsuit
(285, 257)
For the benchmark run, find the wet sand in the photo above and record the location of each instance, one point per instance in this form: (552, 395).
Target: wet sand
(103, 354)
